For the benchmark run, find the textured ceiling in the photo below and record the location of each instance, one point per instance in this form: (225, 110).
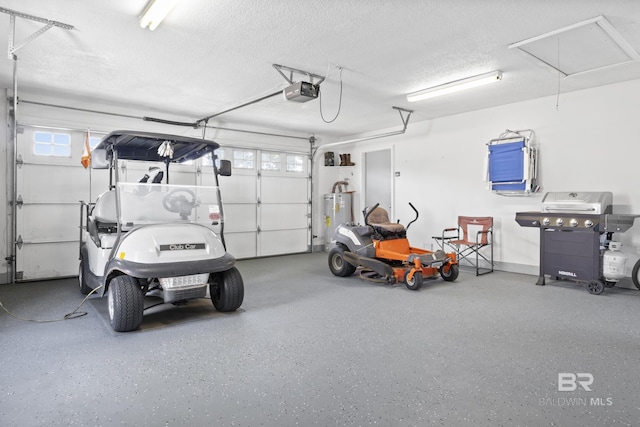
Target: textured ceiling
(209, 56)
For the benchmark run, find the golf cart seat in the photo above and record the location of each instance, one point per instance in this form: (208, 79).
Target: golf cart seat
(103, 221)
(379, 220)
(105, 209)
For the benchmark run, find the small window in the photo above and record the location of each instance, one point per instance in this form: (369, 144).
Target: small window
(295, 163)
(93, 141)
(206, 160)
(270, 162)
(243, 159)
(52, 144)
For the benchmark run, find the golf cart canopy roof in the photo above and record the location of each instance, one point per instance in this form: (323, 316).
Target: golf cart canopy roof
(148, 146)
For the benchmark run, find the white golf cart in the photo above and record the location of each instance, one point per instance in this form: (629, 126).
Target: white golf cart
(149, 236)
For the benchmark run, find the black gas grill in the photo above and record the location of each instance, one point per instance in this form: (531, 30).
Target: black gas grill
(575, 229)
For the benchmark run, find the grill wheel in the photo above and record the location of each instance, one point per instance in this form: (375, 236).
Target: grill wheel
(595, 287)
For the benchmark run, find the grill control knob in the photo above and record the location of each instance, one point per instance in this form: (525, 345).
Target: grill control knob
(588, 223)
(559, 222)
(546, 221)
(573, 222)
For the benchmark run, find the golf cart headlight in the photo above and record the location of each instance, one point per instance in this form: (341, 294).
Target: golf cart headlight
(183, 281)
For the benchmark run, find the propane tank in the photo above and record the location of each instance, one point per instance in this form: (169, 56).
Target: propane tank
(614, 262)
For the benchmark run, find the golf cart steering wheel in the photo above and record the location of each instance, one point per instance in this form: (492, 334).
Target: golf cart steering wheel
(180, 201)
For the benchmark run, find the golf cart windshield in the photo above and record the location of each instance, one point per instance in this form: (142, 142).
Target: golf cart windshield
(142, 204)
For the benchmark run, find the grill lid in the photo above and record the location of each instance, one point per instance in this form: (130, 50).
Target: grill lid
(592, 202)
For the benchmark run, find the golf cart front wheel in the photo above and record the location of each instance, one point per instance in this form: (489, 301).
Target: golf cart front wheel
(338, 265)
(415, 282)
(126, 303)
(227, 290)
(450, 275)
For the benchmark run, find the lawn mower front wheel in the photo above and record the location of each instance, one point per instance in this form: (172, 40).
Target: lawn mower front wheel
(450, 275)
(415, 282)
(338, 265)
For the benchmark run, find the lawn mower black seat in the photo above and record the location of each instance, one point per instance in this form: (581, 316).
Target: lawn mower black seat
(379, 220)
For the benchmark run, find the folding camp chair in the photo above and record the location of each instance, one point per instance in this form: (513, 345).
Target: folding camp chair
(468, 238)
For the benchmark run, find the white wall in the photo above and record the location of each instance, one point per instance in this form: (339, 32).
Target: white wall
(590, 143)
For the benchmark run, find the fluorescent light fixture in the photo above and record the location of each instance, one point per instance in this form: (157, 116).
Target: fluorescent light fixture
(455, 86)
(155, 12)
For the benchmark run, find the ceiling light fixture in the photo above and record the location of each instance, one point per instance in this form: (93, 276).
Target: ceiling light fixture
(155, 12)
(455, 86)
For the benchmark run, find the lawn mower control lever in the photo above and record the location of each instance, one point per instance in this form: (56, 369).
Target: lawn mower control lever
(415, 219)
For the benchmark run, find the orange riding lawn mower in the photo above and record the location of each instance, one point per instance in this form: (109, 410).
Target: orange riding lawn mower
(381, 250)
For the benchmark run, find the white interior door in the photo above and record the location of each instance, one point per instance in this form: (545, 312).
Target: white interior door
(378, 180)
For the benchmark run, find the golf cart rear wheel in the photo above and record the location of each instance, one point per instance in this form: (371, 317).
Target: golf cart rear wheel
(227, 290)
(338, 265)
(126, 303)
(84, 288)
(415, 282)
(450, 275)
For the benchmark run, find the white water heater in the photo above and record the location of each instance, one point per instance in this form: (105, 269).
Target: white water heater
(338, 209)
(614, 262)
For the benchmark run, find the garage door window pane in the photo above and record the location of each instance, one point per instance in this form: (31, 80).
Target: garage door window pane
(270, 162)
(44, 137)
(206, 160)
(295, 163)
(93, 141)
(42, 149)
(243, 159)
(52, 144)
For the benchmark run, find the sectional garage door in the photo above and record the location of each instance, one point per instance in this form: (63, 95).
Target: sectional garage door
(266, 200)
(50, 184)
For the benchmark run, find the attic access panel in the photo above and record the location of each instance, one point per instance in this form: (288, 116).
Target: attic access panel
(587, 46)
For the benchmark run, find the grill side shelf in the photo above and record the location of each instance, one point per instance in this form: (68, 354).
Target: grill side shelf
(528, 219)
(617, 223)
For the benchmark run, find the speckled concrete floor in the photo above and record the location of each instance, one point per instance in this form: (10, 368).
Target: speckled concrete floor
(308, 348)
